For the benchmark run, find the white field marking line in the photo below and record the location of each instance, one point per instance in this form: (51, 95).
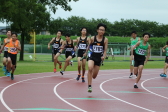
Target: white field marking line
(55, 91)
(121, 99)
(1, 94)
(142, 84)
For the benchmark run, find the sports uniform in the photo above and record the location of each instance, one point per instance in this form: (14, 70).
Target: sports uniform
(69, 49)
(82, 45)
(56, 46)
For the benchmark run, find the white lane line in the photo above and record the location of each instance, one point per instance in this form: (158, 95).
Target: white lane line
(1, 94)
(55, 91)
(121, 99)
(142, 84)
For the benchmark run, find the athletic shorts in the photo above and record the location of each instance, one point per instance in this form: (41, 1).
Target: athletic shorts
(55, 51)
(69, 53)
(166, 59)
(5, 54)
(80, 53)
(96, 58)
(13, 58)
(139, 60)
(133, 52)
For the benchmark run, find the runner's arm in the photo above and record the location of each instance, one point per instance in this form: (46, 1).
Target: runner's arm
(50, 43)
(105, 47)
(137, 44)
(148, 53)
(163, 49)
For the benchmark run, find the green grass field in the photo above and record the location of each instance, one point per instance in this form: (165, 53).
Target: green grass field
(44, 64)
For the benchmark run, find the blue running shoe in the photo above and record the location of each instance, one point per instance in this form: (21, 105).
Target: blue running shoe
(8, 74)
(161, 74)
(164, 75)
(5, 73)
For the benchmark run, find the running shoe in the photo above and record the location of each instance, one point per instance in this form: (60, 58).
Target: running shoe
(62, 72)
(12, 77)
(60, 65)
(164, 75)
(130, 76)
(83, 79)
(55, 70)
(78, 77)
(8, 74)
(135, 86)
(136, 76)
(89, 89)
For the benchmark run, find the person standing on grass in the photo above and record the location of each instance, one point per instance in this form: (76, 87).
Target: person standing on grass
(83, 46)
(13, 47)
(5, 48)
(142, 49)
(165, 49)
(98, 47)
(134, 40)
(57, 42)
(68, 44)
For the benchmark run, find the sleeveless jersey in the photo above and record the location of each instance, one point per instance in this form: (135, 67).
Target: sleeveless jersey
(7, 45)
(11, 48)
(82, 44)
(69, 47)
(56, 44)
(166, 51)
(141, 49)
(134, 41)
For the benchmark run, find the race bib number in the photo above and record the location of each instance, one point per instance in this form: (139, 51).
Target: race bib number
(56, 45)
(13, 49)
(97, 49)
(5, 48)
(82, 46)
(69, 49)
(141, 51)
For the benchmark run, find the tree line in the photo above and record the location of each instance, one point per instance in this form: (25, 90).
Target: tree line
(121, 28)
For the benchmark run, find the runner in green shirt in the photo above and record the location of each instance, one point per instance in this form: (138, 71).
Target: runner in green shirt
(142, 49)
(165, 49)
(134, 40)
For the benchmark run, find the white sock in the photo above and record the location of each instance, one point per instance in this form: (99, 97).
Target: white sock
(135, 84)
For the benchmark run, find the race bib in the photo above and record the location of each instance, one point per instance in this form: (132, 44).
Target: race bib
(56, 45)
(141, 51)
(5, 48)
(13, 49)
(69, 49)
(82, 46)
(97, 49)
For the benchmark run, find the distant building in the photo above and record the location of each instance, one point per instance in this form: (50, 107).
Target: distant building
(3, 30)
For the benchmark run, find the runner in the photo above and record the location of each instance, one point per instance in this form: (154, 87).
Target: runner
(57, 42)
(14, 46)
(98, 47)
(134, 40)
(142, 48)
(5, 48)
(83, 46)
(165, 48)
(69, 52)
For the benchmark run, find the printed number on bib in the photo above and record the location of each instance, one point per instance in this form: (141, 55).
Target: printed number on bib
(13, 49)
(141, 51)
(55, 45)
(69, 49)
(5, 48)
(97, 49)
(82, 46)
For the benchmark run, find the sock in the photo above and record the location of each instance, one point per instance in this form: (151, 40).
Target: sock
(135, 84)
(89, 86)
(131, 73)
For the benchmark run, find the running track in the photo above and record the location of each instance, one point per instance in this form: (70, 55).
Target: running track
(112, 92)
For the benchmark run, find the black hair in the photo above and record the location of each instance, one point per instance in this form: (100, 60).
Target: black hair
(83, 28)
(13, 33)
(167, 43)
(133, 32)
(60, 31)
(101, 24)
(8, 31)
(146, 34)
(67, 34)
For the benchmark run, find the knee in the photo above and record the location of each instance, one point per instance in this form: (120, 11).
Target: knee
(83, 67)
(90, 69)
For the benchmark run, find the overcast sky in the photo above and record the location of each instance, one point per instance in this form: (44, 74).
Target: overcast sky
(114, 10)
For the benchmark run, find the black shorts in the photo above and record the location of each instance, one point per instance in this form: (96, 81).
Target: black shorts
(5, 54)
(55, 51)
(133, 52)
(166, 59)
(96, 58)
(69, 53)
(13, 58)
(139, 60)
(80, 53)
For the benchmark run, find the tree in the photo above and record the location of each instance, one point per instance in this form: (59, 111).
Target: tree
(28, 15)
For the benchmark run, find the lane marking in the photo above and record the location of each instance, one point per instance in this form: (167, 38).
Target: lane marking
(127, 92)
(51, 109)
(55, 91)
(142, 84)
(89, 99)
(157, 87)
(121, 99)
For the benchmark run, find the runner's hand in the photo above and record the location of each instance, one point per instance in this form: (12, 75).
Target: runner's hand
(84, 54)
(132, 57)
(102, 58)
(163, 50)
(48, 47)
